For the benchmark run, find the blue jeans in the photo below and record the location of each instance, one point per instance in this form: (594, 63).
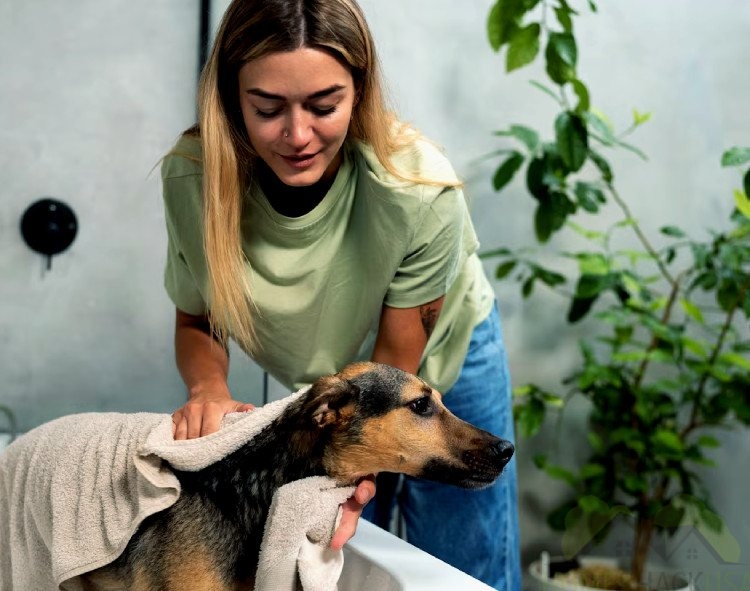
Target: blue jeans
(476, 531)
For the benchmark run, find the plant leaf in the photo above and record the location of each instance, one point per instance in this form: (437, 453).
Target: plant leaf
(551, 214)
(572, 140)
(560, 473)
(667, 439)
(735, 156)
(561, 55)
(507, 170)
(602, 165)
(598, 123)
(528, 286)
(529, 417)
(579, 308)
(590, 285)
(595, 441)
(548, 277)
(742, 202)
(736, 359)
(504, 269)
(592, 263)
(546, 90)
(501, 22)
(591, 470)
(728, 295)
(672, 231)
(589, 196)
(563, 17)
(640, 118)
(523, 47)
(592, 504)
(708, 441)
(496, 252)
(692, 310)
(526, 135)
(582, 92)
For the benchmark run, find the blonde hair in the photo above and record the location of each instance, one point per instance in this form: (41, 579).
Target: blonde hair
(251, 29)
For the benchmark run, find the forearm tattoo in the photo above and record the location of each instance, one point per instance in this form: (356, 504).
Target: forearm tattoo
(429, 316)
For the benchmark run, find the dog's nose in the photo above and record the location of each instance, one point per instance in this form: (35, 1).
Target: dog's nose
(503, 450)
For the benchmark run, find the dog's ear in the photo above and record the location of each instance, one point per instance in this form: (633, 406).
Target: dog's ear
(329, 396)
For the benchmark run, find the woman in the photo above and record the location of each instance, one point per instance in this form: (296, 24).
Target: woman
(309, 225)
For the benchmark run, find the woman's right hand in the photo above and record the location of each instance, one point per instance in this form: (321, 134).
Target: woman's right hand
(201, 416)
(203, 364)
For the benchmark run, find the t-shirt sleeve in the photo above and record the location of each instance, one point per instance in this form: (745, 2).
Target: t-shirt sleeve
(179, 282)
(443, 238)
(183, 228)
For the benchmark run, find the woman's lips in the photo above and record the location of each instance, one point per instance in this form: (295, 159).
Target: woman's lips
(300, 161)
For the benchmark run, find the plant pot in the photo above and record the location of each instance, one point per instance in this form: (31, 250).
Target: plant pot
(556, 574)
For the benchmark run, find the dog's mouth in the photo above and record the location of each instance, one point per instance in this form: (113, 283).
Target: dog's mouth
(478, 481)
(439, 470)
(477, 468)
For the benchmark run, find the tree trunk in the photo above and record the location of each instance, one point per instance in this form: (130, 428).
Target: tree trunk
(644, 530)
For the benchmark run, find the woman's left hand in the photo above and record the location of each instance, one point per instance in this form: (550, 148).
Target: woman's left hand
(351, 510)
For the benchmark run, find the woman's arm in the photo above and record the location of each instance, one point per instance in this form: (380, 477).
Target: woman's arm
(402, 337)
(403, 333)
(203, 364)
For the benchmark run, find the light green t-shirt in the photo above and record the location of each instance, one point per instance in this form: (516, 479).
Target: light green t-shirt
(319, 281)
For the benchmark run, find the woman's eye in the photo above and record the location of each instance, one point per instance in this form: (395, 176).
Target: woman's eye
(267, 114)
(323, 111)
(421, 406)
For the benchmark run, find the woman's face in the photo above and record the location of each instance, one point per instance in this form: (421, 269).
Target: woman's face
(297, 106)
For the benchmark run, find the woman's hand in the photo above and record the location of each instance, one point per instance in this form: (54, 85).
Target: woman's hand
(203, 364)
(201, 416)
(351, 510)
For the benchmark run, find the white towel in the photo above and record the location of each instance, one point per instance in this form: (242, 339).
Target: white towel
(73, 492)
(297, 535)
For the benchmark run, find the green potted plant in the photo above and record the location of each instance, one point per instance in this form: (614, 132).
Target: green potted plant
(667, 358)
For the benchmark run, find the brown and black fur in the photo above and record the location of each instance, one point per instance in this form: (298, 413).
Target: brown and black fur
(366, 419)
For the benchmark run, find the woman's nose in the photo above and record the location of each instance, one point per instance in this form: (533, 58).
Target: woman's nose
(298, 128)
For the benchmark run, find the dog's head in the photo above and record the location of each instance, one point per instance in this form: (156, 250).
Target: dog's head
(380, 419)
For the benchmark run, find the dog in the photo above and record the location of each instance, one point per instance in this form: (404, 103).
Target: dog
(366, 419)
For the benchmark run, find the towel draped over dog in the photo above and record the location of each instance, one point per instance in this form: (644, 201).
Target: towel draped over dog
(73, 492)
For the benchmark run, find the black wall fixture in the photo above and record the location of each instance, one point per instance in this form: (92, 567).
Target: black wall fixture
(203, 34)
(49, 227)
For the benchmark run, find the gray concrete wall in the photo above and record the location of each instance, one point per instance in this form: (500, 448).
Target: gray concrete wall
(94, 92)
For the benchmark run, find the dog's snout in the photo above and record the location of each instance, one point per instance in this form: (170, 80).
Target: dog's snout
(503, 450)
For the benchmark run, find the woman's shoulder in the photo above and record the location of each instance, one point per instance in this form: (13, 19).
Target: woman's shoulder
(418, 159)
(184, 159)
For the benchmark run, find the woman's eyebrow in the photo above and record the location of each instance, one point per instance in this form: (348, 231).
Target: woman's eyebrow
(277, 97)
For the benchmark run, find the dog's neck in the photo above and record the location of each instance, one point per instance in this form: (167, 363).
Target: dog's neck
(242, 485)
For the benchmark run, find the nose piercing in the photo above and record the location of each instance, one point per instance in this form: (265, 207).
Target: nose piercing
(286, 133)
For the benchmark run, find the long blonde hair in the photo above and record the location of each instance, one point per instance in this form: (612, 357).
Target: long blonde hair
(251, 29)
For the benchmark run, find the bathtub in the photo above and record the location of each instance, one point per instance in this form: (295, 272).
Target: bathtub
(375, 560)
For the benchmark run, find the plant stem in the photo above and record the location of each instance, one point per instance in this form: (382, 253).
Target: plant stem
(673, 283)
(641, 236)
(728, 321)
(674, 292)
(644, 531)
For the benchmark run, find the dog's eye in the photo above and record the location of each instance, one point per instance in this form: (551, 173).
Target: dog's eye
(421, 406)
